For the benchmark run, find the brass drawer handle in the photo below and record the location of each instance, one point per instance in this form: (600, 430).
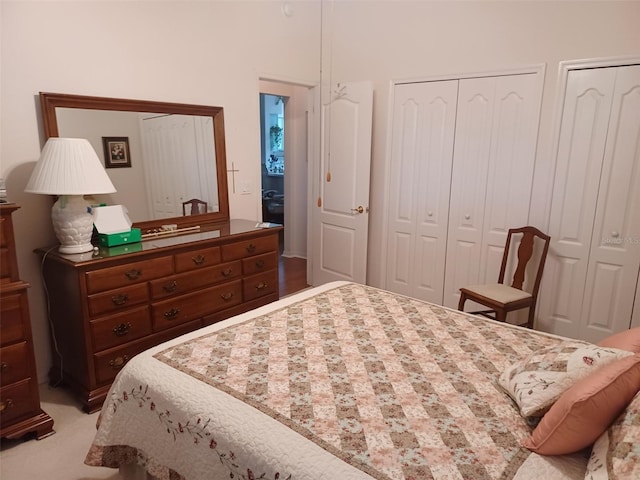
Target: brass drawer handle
(227, 272)
(262, 285)
(133, 274)
(4, 367)
(170, 287)
(120, 299)
(8, 403)
(172, 314)
(118, 362)
(251, 248)
(122, 329)
(198, 259)
(259, 263)
(227, 296)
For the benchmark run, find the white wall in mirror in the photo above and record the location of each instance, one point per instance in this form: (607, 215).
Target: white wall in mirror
(172, 158)
(129, 182)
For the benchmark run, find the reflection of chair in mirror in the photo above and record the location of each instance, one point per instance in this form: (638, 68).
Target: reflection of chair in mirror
(502, 299)
(194, 206)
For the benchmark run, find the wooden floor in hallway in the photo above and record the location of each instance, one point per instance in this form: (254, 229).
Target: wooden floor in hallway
(293, 275)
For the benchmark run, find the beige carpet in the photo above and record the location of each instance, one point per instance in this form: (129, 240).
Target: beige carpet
(59, 456)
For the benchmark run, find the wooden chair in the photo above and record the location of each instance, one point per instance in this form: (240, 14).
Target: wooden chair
(196, 207)
(502, 299)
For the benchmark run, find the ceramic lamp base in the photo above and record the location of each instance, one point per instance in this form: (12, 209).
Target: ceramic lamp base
(73, 224)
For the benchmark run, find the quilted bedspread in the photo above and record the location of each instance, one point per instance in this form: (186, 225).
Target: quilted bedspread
(380, 385)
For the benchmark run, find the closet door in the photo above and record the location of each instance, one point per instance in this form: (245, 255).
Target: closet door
(174, 142)
(614, 257)
(423, 129)
(494, 154)
(592, 270)
(635, 318)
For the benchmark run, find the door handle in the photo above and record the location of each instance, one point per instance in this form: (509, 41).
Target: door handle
(359, 210)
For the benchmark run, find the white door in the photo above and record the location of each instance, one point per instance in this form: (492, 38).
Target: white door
(591, 272)
(424, 118)
(494, 156)
(463, 153)
(183, 148)
(635, 318)
(614, 257)
(340, 215)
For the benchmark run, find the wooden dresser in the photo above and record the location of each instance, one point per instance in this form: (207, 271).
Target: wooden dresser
(111, 304)
(20, 411)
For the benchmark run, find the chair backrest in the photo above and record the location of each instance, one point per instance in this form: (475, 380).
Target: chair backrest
(196, 207)
(525, 252)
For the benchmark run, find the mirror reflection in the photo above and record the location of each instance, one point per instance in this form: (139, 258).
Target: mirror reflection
(171, 158)
(166, 160)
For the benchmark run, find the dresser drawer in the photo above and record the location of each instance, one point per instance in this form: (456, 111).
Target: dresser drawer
(196, 259)
(261, 284)
(122, 275)
(120, 328)
(235, 251)
(260, 263)
(14, 363)
(185, 282)
(17, 400)
(107, 364)
(191, 306)
(12, 311)
(119, 299)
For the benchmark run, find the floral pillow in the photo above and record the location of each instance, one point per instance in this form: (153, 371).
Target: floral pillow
(537, 381)
(616, 453)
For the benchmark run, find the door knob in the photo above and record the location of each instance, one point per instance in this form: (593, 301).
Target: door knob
(360, 209)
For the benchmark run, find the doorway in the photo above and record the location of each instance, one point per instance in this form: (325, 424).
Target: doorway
(284, 161)
(272, 158)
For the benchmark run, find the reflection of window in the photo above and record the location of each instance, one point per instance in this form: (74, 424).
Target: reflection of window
(276, 132)
(275, 165)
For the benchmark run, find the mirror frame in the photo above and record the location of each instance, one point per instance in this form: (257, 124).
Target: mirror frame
(50, 101)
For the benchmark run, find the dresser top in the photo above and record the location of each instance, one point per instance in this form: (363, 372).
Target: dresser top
(230, 230)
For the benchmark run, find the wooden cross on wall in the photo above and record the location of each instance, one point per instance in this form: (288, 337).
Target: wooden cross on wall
(233, 176)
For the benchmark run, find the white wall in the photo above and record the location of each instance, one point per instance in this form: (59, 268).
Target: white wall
(206, 52)
(212, 52)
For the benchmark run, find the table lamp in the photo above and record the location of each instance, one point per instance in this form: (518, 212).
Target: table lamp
(70, 168)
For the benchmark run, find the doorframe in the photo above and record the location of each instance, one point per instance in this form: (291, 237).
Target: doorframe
(537, 68)
(292, 82)
(564, 67)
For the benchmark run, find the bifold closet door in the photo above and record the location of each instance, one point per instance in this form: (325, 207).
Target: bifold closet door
(461, 172)
(493, 161)
(592, 272)
(424, 119)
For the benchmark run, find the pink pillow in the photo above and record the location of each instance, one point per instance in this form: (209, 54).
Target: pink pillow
(627, 340)
(587, 409)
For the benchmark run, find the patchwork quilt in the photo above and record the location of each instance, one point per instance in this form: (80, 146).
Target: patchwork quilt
(346, 381)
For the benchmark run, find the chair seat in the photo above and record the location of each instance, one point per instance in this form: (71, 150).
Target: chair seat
(499, 292)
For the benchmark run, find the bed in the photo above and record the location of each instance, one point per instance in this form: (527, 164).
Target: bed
(342, 381)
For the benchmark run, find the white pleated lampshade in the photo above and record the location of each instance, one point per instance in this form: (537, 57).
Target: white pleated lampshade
(69, 166)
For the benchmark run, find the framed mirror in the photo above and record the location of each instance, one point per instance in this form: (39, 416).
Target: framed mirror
(166, 154)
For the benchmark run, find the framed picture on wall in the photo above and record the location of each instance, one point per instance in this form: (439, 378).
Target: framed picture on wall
(116, 152)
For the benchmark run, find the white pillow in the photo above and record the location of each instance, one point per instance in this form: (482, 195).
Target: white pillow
(537, 381)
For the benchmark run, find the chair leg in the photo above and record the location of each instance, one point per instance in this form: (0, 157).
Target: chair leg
(463, 298)
(531, 316)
